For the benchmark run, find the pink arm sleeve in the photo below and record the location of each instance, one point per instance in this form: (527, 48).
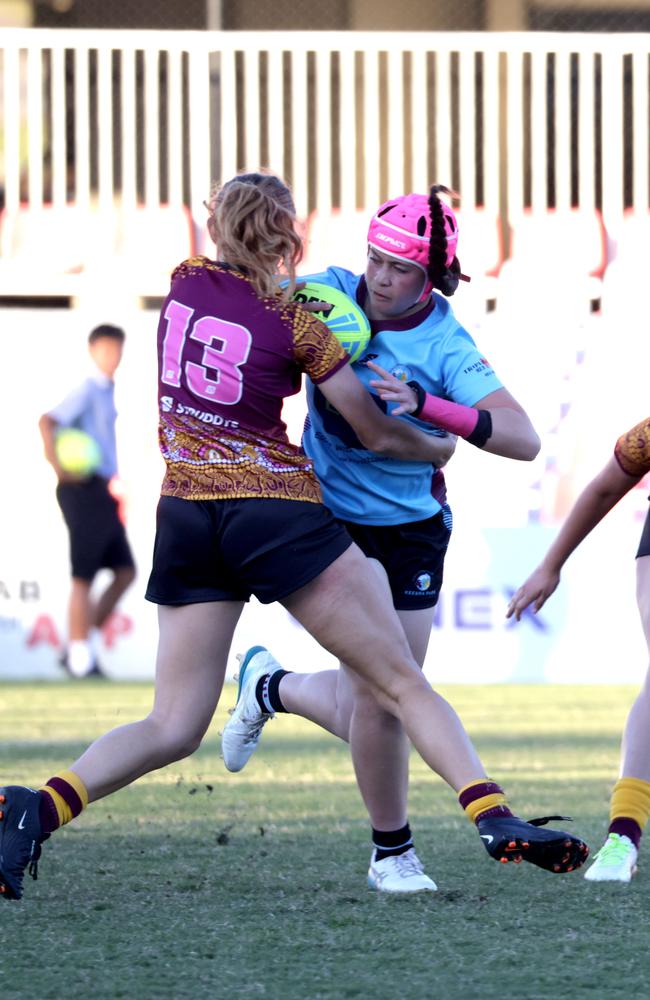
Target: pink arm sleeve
(450, 416)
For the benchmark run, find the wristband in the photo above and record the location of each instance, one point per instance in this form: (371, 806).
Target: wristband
(421, 394)
(483, 430)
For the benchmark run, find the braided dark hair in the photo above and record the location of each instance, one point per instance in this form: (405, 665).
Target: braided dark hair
(444, 278)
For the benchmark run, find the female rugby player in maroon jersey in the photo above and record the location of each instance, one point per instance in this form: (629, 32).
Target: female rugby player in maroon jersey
(630, 801)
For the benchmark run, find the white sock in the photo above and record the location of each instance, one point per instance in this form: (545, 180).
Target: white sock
(80, 657)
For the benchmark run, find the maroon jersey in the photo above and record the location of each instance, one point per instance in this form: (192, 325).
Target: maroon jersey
(632, 449)
(226, 360)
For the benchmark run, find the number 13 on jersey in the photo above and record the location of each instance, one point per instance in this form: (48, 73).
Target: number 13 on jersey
(227, 346)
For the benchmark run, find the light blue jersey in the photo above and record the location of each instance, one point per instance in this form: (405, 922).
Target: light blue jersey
(431, 347)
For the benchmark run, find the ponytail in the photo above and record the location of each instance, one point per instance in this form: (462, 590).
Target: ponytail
(252, 221)
(443, 275)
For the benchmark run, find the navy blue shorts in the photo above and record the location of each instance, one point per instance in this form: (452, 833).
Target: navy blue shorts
(97, 536)
(228, 550)
(644, 544)
(412, 554)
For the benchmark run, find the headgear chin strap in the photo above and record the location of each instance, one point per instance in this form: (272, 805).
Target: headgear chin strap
(401, 228)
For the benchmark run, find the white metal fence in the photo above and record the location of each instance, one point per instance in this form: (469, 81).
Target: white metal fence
(511, 120)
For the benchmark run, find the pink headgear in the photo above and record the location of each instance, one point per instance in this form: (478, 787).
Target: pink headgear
(401, 228)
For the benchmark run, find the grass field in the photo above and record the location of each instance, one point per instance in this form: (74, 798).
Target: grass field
(195, 883)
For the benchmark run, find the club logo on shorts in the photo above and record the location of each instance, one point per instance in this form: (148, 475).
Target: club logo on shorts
(401, 372)
(423, 581)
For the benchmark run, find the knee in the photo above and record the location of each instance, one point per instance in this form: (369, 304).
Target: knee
(399, 680)
(377, 709)
(176, 740)
(408, 683)
(367, 703)
(186, 744)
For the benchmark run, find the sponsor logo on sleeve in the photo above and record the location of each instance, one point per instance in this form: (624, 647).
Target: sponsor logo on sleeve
(479, 366)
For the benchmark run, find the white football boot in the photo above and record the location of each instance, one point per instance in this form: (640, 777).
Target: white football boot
(615, 861)
(399, 873)
(242, 732)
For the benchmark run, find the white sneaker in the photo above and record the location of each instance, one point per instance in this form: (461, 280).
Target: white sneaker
(399, 873)
(615, 861)
(242, 732)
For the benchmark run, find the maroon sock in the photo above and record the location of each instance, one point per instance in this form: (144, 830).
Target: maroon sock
(626, 827)
(47, 814)
(483, 790)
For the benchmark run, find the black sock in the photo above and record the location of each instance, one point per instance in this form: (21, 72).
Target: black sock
(390, 843)
(267, 692)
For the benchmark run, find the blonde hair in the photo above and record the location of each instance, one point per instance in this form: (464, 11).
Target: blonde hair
(252, 222)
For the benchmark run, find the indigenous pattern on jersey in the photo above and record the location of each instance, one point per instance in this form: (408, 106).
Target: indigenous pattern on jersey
(632, 449)
(429, 346)
(226, 360)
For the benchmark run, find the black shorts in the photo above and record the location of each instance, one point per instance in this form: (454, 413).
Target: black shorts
(226, 550)
(644, 544)
(97, 536)
(413, 556)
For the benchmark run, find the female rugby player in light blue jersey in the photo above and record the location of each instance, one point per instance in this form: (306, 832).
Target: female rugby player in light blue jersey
(396, 512)
(241, 513)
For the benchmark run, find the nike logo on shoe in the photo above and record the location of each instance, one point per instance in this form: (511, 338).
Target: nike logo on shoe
(21, 822)
(488, 837)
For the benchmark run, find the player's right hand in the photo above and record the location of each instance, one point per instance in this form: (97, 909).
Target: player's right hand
(536, 590)
(393, 390)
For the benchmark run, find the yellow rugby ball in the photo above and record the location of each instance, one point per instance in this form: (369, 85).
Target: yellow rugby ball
(343, 316)
(77, 452)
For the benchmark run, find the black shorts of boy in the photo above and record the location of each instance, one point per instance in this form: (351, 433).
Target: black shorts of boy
(644, 544)
(97, 536)
(228, 550)
(413, 556)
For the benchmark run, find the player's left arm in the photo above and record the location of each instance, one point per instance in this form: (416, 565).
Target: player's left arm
(512, 435)
(497, 423)
(596, 500)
